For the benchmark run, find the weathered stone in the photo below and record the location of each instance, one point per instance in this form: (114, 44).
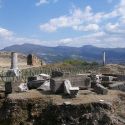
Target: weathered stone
(57, 74)
(31, 78)
(117, 86)
(8, 87)
(99, 89)
(106, 83)
(33, 60)
(35, 84)
(14, 60)
(107, 78)
(121, 77)
(68, 89)
(56, 85)
(83, 82)
(39, 77)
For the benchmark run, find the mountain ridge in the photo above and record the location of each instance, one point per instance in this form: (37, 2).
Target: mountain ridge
(60, 53)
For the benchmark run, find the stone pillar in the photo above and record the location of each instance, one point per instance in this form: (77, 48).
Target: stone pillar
(14, 60)
(104, 58)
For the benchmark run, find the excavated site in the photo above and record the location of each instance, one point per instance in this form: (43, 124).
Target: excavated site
(65, 99)
(36, 108)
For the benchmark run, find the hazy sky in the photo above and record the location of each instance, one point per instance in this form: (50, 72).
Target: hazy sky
(63, 22)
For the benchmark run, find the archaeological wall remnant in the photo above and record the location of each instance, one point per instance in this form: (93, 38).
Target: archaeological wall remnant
(33, 60)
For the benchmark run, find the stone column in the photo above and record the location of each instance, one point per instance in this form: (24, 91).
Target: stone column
(14, 60)
(104, 58)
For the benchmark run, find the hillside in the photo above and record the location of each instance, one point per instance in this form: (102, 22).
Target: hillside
(60, 53)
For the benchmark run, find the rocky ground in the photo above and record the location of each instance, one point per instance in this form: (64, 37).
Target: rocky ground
(38, 108)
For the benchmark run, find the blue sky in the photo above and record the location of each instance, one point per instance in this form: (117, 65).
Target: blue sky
(63, 22)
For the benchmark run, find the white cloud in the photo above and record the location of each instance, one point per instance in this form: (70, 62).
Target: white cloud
(112, 27)
(89, 27)
(77, 19)
(86, 19)
(42, 2)
(8, 38)
(5, 34)
(108, 27)
(64, 42)
(118, 11)
(99, 39)
(103, 29)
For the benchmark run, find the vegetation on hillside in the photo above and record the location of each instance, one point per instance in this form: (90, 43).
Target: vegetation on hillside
(79, 63)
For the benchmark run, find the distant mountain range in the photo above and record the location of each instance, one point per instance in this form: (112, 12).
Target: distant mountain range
(60, 53)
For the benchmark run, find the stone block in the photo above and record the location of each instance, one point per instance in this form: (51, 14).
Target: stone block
(35, 84)
(11, 87)
(31, 78)
(100, 89)
(107, 78)
(8, 87)
(68, 89)
(56, 85)
(57, 74)
(83, 82)
(106, 83)
(117, 86)
(121, 77)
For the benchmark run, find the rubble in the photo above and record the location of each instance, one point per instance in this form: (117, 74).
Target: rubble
(23, 87)
(56, 73)
(118, 86)
(31, 78)
(35, 84)
(44, 76)
(45, 86)
(38, 81)
(108, 78)
(68, 89)
(89, 99)
(57, 84)
(99, 89)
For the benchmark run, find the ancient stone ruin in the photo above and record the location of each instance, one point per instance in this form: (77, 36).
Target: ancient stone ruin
(59, 98)
(33, 60)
